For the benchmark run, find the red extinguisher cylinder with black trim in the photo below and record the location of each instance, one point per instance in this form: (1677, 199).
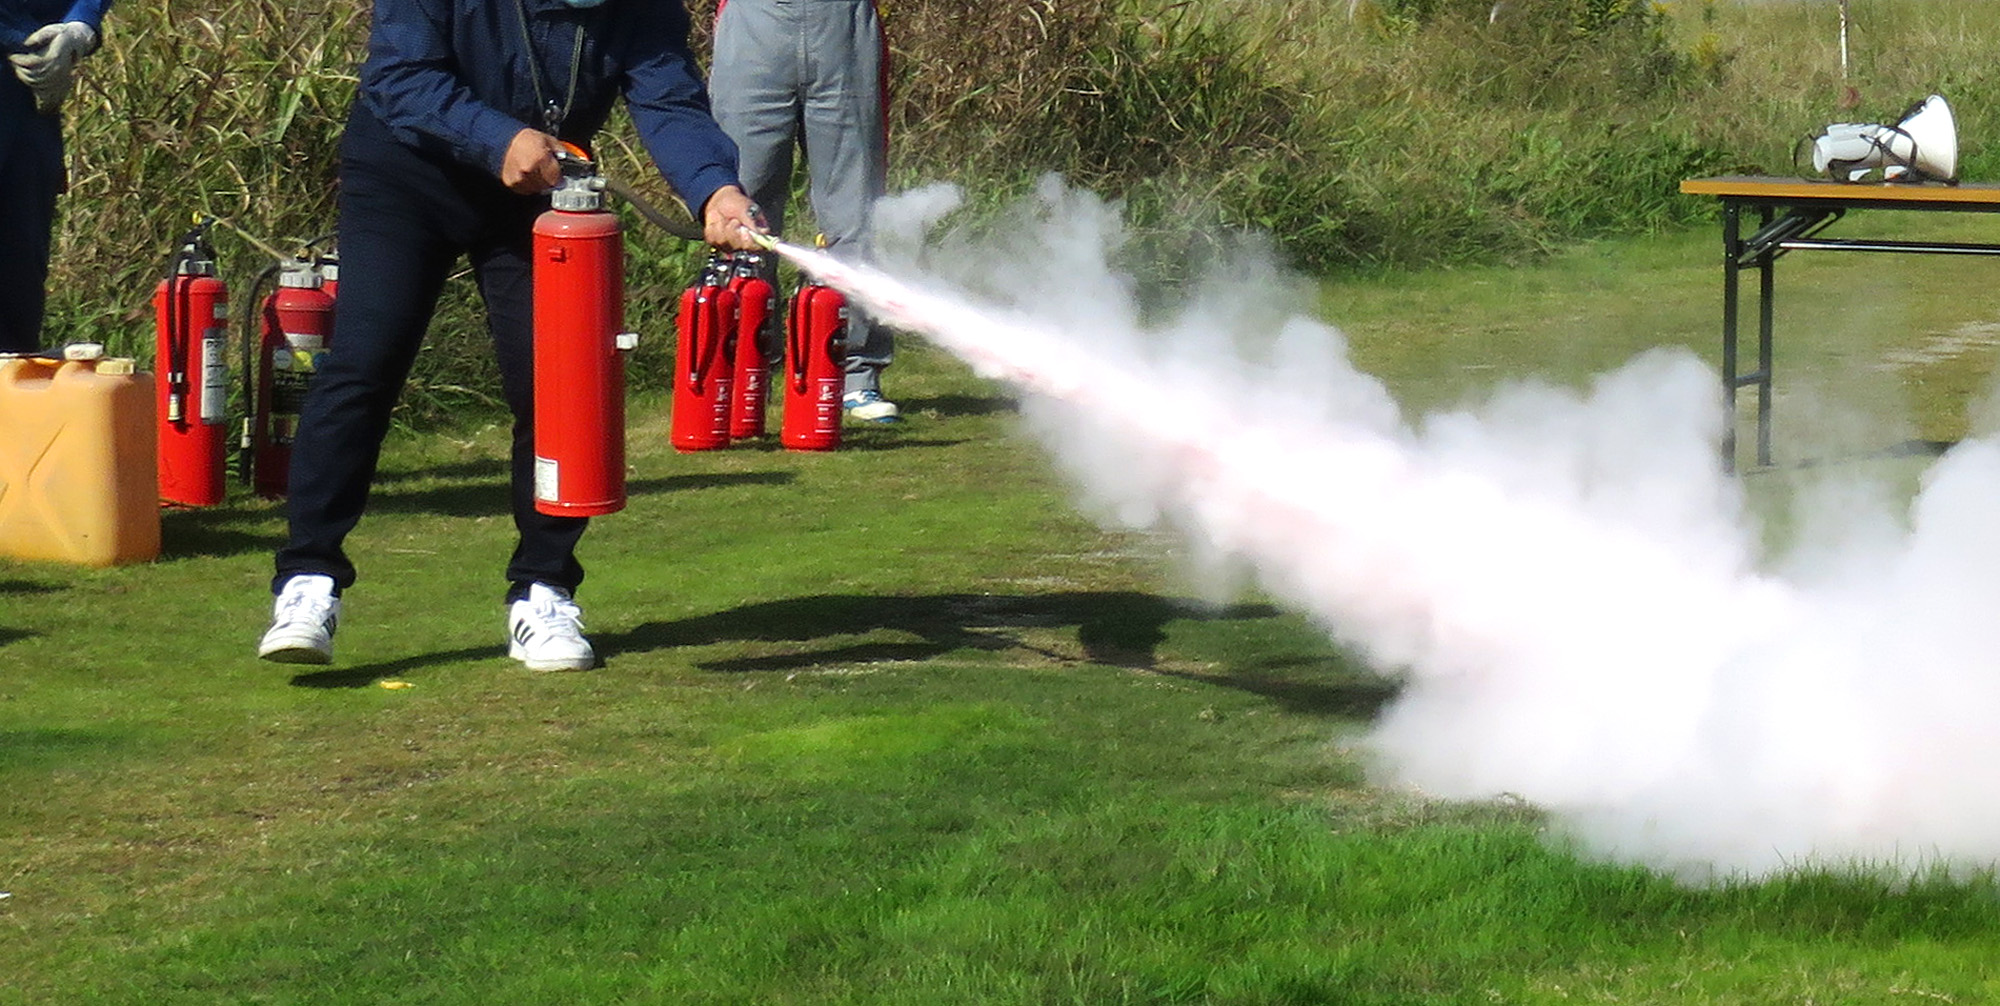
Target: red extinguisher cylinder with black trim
(815, 342)
(703, 364)
(191, 372)
(757, 311)
(297, 329)
(580, 341)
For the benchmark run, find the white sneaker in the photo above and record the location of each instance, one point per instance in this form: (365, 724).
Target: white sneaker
(545, 631)
(870, 407)
(302, 622)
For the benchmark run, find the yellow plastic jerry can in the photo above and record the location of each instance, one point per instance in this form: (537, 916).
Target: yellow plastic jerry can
(77, 476)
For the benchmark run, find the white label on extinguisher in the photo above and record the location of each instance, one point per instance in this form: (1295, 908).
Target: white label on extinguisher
(545, 479)
(214, 377)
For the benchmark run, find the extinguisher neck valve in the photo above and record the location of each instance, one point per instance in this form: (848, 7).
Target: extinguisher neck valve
(190, 265)
(579, 194)
(298, 274)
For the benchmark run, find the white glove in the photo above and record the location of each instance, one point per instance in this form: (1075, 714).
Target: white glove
(48, 66)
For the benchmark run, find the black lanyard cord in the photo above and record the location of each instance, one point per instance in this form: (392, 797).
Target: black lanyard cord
(552, 115)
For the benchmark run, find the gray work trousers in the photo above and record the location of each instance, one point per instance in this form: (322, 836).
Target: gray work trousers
(809, 74)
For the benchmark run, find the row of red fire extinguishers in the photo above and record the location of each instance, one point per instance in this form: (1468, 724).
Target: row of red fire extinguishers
(721, 382)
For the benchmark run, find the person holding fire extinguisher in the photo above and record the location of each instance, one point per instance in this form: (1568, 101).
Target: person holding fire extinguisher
(811, 76)
(44, 40)
(450, 150)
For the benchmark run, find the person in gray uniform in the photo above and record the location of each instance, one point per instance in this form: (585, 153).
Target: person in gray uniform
(810, 75)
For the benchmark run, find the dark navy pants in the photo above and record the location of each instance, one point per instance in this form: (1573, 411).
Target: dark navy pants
(31, 176)
(406, 218)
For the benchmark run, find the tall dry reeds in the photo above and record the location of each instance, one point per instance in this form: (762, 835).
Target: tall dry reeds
(1372, 132)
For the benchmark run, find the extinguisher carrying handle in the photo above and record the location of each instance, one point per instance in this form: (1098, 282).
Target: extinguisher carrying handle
(709, 332)
(795, 341)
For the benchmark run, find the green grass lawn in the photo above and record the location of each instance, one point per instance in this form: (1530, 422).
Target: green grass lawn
(897, 725)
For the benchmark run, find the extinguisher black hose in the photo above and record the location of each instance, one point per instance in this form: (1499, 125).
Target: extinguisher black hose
(246, 441)
(177, 308)
(687, 229)
(171, 303)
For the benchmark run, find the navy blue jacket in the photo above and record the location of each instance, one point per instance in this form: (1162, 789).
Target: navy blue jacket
(23, 131)
(19, 18)
(456, 78)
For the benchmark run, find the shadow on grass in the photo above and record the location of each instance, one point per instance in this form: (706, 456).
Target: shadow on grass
(885, 440)
(1115, 628)
(365, 675)
(8, 635)
(484, 469)
(961, 405)
(216, 531)
(488, 497)
(1119, 627)
(1905, 449)
(1356, 696)
(50, 747)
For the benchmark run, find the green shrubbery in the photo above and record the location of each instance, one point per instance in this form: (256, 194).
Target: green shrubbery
(1369, 133)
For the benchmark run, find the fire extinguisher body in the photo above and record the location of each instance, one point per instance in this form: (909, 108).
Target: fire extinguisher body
(191, 310)
(297, 330)
(757, 310)
(703, 360)
(815, 344)
(580, 339)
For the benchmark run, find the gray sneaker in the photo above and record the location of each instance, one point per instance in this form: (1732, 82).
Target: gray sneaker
(302, 622)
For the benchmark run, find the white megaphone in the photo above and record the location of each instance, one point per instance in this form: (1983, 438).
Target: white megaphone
(1922, 146)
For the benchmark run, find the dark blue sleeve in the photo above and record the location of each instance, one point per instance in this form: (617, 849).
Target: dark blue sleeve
(90, 12)
(413, 83)
(670, 107)
(19, 19)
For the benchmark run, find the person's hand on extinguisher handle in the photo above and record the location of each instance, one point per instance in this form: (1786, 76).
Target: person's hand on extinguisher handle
(529, 166)
(731, 222)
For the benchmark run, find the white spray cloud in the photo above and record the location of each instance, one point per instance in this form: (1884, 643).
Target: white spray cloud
(1568, 585)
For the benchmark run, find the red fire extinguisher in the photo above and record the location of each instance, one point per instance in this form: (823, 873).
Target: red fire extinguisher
(580, 342)
(815, 344)
(297, 328)
(757, 313)
(191, 312)
(703, 360)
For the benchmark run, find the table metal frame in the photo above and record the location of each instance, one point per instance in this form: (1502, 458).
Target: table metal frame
(1808, 209)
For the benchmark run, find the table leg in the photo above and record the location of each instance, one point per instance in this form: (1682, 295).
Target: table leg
(1732, 246)
(1765, 288)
